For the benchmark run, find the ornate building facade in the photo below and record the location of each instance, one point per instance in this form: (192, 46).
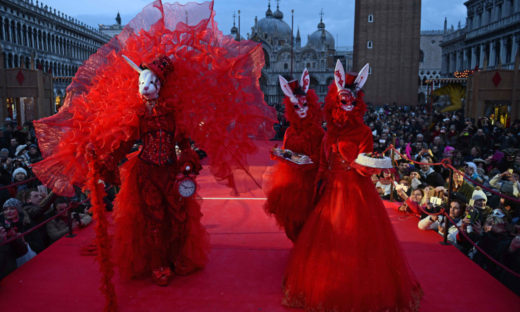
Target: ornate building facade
(36, 36)
(285, 55)
(387, 36)
(430, 61)
(491, 37)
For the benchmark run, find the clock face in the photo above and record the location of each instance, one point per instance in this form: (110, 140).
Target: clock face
(187, 187)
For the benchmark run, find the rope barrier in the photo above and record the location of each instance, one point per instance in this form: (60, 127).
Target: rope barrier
(480, 249)
(485, 187)
(36, 227)
(446, 163)
(3, 187)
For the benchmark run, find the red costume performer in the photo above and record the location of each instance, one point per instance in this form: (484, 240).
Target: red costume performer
(347, 257)
(194, 83)
(290, 191)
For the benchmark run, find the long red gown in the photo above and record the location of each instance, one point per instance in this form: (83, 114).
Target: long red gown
(290, 191)
(347, 257)
(164, 226)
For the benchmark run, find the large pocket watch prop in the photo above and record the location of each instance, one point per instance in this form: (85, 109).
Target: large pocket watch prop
(185, 184)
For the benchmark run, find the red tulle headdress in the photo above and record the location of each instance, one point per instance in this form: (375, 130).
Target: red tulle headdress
(214, 91)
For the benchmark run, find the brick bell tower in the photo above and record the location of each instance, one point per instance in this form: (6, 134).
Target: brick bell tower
(387, 35)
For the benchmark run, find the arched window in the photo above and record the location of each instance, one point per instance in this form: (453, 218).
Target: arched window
(370, 18)
(266, 58)
(421, 56)
(369, 44)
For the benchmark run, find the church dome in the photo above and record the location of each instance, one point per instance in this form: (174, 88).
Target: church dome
(321, 38)
(274, 26)
(278, 14)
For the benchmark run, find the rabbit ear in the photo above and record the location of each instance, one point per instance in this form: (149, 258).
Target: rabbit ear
(132, 64)
(339, 75)
(362, 77)
(285, 87)
(305, 81)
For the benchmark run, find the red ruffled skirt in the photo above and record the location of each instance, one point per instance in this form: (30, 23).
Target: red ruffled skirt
(154, 227)
(289, 196)
(347, 257)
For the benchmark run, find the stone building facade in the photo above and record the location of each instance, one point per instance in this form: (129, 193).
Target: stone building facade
(36, 36)
(430, 61)
(284, 52)
(387, 36)
(491, 37)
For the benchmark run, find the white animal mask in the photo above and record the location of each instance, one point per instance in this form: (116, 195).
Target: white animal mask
(346, 96)
(149, 83)
(299, 101)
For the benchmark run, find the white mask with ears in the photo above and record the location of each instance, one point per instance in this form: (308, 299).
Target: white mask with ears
(299, 101)
(347, 97)
(149, 83)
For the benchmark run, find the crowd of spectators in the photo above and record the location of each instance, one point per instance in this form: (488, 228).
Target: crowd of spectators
(25, 204)
(485, 197)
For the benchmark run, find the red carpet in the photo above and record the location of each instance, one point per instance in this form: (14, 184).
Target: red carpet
(245, 269)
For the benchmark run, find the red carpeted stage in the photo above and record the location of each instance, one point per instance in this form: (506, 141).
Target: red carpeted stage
(245, 269)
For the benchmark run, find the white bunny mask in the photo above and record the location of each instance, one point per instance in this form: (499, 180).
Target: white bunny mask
(346, 96)
(299, 100)
(149, 83)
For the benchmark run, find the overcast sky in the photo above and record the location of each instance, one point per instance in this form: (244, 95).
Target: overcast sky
(338, 14)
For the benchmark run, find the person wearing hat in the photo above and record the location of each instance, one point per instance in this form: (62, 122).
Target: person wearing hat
(478, 205)
(15, 222)
(19, 174)
(472, 173)
(22, 152)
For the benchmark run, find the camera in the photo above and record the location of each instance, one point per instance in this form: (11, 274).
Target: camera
(435, 201)
(472, 215)
(436, 204)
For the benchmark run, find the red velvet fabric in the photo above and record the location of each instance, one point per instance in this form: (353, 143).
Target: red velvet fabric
(347, 257)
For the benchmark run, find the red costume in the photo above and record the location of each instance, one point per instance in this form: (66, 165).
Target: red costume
(209, 94)
(347, 257)
(291, 189)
